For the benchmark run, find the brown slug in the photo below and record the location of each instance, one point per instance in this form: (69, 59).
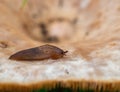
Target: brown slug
(39, 53)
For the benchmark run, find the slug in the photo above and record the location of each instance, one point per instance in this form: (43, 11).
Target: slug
(39, 53)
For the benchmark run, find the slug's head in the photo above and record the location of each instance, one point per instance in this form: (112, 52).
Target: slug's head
(58, 54)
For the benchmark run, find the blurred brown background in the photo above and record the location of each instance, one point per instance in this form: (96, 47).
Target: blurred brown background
(77, 23)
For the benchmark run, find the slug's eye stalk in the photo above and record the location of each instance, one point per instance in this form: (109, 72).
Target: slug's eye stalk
(65, 52)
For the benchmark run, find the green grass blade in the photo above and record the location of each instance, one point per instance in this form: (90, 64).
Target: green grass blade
(24, 2)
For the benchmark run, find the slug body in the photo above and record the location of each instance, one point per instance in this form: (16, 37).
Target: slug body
(39, 53)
